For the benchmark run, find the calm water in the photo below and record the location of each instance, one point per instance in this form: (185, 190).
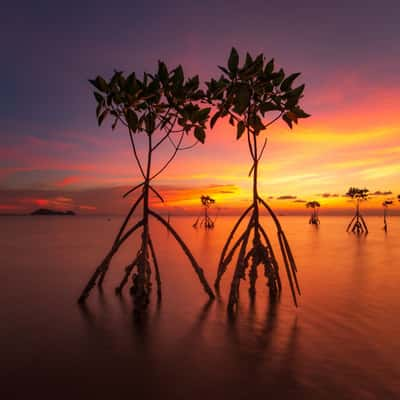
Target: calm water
(343, 342)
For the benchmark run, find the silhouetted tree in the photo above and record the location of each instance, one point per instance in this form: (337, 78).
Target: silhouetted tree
(162, 108)
(385, 205)
(314, 218)
(247, 95)
(357, 224)
(205, 220)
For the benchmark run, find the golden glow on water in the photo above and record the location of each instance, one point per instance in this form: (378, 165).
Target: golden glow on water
(342, 341)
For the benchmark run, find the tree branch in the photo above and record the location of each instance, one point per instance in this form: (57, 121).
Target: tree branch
(170, 159)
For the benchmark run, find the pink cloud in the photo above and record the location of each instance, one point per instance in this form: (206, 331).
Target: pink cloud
(68, 180)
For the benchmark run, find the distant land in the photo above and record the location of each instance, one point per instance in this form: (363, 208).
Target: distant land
(46, 211)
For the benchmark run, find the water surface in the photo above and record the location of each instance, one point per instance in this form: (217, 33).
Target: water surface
(341, 342)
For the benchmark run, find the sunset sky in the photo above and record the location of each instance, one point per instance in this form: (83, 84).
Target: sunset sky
(53, 154)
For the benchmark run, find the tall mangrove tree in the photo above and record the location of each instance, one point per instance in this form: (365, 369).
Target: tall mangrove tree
(252, 96)
(162, 108)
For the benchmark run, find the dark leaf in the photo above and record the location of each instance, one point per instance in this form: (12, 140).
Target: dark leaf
(258, 63)
(287, 120)
(102, 116)
(203, 114)
(224, 70)
(269, 68)
(240, 129)
(248, 61)
(192, 84)
(178, 77)
(233, 61)
(296, 92)
(99, 98)
(100, 84)
(121, 80)
(279, 77)
(287, 83)
(292, 116)
(251, 69)
(99, 109)
(256, 123)
(300, 113)
(150, 123)
(200, 134)
(162, 72)
(153, 88)
(269, 106)
(132, 120)
(131, 83)
(214, 119)
(242, 99)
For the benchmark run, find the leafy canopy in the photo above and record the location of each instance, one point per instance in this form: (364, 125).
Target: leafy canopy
(248, 92)
(162, 101)
(356, 193)
(312, 204)
(206, 201)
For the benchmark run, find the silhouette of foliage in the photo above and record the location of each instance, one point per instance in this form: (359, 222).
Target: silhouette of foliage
(163, 107)
(205, 220)
(206, 201)
(253, 95)
(356, 193)
(357, 224)
(314, 218)
(385, 205)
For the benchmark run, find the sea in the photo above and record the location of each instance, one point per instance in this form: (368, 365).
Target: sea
(341, 342)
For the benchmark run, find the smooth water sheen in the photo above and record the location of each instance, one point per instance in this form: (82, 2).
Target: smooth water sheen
(342, 342)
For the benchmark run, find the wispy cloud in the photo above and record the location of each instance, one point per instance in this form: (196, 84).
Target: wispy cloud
(286, 197)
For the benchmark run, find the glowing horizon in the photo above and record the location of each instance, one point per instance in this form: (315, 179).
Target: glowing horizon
(53, 149)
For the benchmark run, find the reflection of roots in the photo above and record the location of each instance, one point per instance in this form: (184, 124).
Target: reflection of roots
(207, 222)
(357, 225)
(141, 266)
(260, 253)
(141, 287)
(314, 220)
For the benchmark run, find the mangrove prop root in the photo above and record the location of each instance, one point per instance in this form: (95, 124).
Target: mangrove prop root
(350, 224)
(196, 267)
(225, 262)
(240, 269)
(357, 225)
(222, 264)
(105, 263)
(140, 268)
(141, 285)
(155, 263)
(204, 221)
(260, 253)
(314, 220)
(128, 271)
(120, 232)
(272, 259)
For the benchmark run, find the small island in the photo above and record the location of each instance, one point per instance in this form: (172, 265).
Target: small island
(45, 211)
